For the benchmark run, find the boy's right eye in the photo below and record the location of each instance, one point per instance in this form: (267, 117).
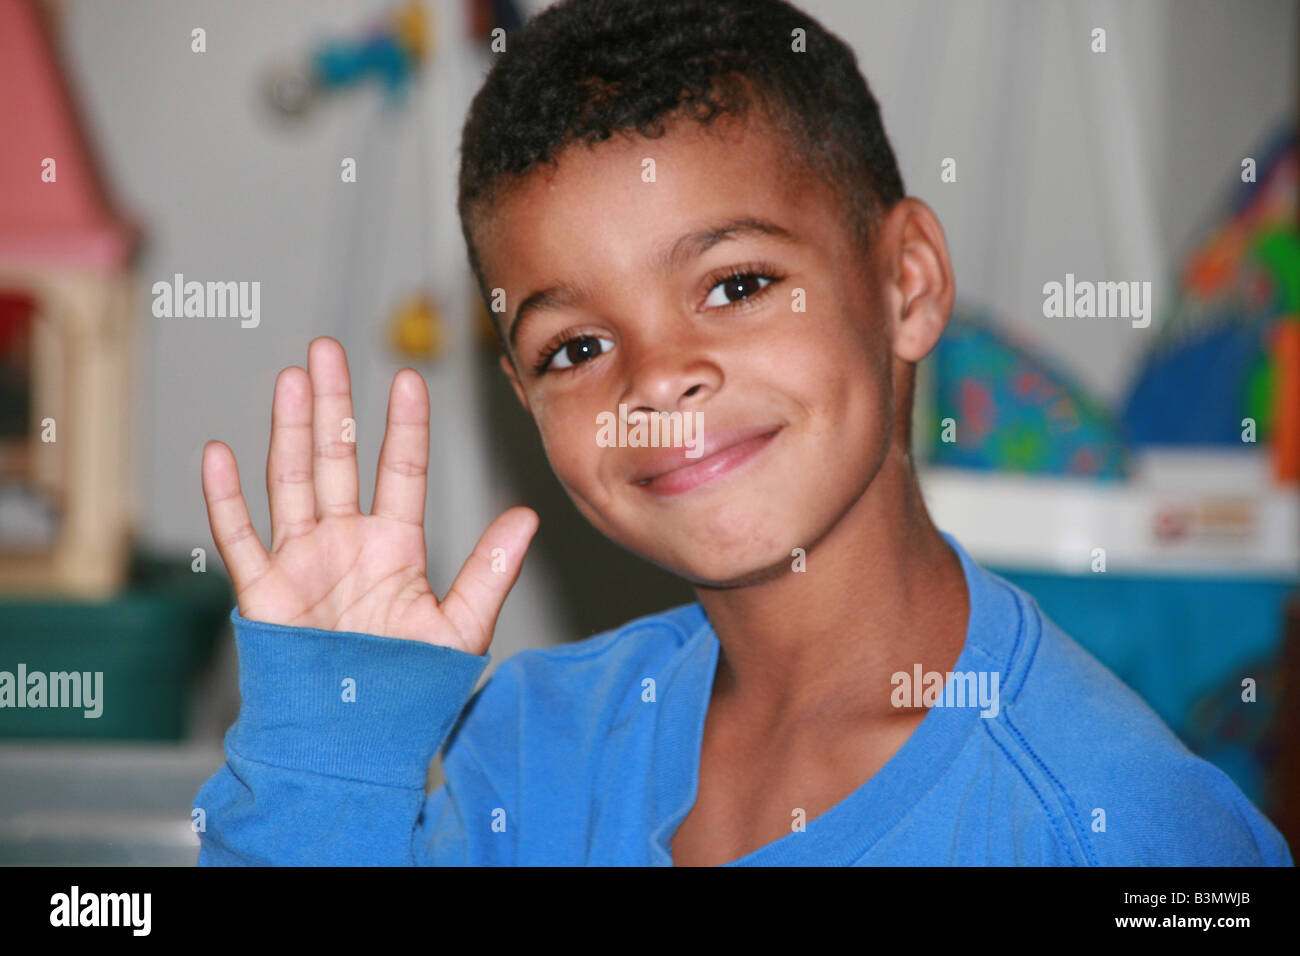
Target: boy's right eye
(574, 351)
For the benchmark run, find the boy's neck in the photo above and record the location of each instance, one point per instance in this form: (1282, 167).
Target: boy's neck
(882, 591)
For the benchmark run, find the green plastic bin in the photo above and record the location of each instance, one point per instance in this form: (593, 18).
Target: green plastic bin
(149, 642)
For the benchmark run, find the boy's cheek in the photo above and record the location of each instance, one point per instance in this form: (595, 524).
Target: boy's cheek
(572, 451)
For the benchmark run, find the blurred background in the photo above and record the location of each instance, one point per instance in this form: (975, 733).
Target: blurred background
(1140, 482)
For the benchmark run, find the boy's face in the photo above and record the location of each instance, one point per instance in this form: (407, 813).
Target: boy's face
(797, 408)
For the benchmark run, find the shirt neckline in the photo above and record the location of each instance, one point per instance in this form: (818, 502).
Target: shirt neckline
(845, 832)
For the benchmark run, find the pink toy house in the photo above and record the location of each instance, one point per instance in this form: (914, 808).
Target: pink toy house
(65, 334)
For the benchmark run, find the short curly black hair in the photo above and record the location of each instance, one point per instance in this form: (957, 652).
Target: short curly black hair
(583, 70)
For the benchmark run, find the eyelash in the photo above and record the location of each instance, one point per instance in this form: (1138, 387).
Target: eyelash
(755, 270)
(552, 349)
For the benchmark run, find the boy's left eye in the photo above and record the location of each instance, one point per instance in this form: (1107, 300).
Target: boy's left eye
(737, 287)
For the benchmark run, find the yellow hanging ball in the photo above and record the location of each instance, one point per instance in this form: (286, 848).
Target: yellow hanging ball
(418, 331)
(414, 29)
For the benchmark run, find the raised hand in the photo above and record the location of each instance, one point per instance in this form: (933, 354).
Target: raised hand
(330, 566)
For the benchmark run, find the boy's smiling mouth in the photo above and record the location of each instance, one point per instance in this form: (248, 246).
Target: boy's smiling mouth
(673, 472)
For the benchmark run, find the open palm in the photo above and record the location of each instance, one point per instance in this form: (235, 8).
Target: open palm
(330, 566)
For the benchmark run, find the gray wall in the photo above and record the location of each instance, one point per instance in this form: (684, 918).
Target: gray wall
(1068, 161)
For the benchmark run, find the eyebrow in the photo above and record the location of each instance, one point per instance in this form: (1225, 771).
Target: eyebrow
(680, 251)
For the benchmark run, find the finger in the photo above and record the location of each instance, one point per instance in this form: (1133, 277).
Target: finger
(400, 485)
(289, 478)
(333, 429)
(232, 530)
(480, 589)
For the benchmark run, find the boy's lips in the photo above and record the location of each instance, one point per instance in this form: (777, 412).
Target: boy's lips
(672, 471)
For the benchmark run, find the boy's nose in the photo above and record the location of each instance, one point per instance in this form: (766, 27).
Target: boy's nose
(672, 380)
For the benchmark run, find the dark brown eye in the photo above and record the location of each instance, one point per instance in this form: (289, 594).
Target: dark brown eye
(584, 348)
(737, 287)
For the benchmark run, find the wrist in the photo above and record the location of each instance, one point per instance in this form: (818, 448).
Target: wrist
(347, 704)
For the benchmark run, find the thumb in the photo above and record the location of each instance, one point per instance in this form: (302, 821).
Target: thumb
(486, 577)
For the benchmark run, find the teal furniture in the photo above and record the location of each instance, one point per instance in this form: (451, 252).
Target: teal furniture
(149, 642)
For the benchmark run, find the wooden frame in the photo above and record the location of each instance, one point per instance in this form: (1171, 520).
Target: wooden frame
(81, 378)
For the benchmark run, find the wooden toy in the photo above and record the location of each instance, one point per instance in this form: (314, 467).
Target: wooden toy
(65, 336)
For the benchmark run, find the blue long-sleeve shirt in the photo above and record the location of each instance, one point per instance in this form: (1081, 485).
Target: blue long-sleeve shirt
(572, 756)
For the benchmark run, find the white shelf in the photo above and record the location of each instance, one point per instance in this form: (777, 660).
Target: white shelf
(1203, 512)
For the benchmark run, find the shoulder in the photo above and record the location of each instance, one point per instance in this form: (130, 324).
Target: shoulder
(575, 690)
(646, 642)
(1131, 790)
(599, 672)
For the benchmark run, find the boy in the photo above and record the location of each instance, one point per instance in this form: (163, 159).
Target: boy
(687, 207)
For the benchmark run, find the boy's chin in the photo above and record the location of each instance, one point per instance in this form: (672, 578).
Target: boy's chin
(733, 568)
(741, 574)
(732, 541)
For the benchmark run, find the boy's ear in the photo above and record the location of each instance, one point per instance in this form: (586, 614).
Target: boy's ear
(920, 276)
(508, 368)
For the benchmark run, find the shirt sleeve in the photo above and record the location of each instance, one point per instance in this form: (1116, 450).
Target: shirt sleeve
(326, 763)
